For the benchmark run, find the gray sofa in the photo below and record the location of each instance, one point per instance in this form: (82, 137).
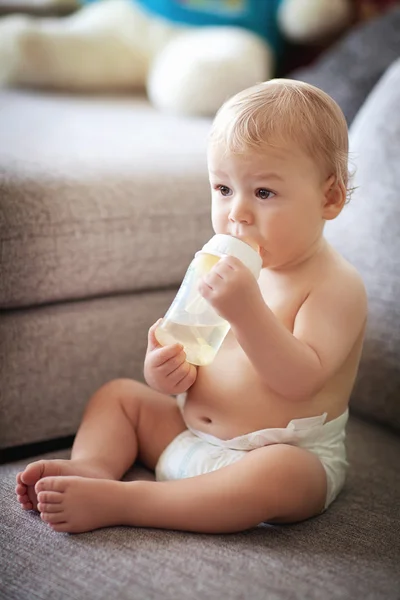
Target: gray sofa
(102, 204)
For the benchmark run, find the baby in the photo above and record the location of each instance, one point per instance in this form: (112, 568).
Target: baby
(258, 435)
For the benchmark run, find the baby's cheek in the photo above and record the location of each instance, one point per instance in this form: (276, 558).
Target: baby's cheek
(219, 216)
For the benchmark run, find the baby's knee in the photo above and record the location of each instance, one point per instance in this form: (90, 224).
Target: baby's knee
(121, 390)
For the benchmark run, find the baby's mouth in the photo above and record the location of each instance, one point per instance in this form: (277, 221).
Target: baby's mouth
(253, 244)
(250, 241)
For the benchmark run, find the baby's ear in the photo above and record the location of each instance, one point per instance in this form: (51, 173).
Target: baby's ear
(334, 198)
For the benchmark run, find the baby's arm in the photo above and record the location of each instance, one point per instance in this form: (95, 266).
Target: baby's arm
(326, 328)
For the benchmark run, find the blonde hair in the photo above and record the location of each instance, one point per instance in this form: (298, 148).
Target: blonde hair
(282, 109)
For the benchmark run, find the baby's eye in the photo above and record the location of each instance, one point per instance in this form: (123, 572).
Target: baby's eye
(264, 194)
(224, 190)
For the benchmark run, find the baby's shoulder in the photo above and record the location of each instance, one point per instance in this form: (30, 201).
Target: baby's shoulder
(341, 269)
(342, 279)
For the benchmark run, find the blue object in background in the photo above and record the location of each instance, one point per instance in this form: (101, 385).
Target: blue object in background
(258, 16)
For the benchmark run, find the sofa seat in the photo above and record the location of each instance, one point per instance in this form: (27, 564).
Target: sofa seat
(53, 358)
(99, 196)
(348, 553)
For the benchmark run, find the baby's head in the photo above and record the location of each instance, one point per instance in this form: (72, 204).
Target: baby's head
(278, 158)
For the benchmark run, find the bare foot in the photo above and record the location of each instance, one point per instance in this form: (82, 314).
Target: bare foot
(26, 480)
(78, 504)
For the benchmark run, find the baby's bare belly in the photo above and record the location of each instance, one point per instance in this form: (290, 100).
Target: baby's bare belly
(229, 399)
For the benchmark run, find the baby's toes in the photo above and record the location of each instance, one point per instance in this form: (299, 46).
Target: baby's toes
(25, 502)
(23, 498)
(20, 489)
(53, 518)
(50, 484)
(50, 508)
(50, 502)
(21, 492)
(61, 527)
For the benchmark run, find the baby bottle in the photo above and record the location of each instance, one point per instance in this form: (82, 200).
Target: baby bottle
(191, 320)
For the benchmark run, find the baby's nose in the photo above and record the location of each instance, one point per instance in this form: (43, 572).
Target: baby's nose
(240, 212)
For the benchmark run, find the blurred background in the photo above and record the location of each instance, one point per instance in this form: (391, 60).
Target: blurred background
(294, 55)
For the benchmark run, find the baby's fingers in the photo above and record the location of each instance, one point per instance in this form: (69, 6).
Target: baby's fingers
(151, 338)
(173, 362)
(162, 356)
(179, 374)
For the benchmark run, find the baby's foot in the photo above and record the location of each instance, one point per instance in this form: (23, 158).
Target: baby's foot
(26, 480)
(77, 504)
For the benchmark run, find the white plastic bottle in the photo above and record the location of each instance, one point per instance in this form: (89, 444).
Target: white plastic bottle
(191, 320)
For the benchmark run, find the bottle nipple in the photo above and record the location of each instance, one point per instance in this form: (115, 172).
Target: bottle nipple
(252, 244)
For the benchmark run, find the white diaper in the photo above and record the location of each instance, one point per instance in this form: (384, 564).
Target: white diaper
(195, 453)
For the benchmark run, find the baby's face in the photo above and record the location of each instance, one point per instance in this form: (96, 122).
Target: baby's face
(273, 197)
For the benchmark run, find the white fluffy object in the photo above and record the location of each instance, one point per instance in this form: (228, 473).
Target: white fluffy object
(311, 20)
(114, 44)
(199, 70)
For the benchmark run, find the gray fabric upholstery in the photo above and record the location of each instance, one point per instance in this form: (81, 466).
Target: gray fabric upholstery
(350, 552)
(351, 68)
(53, 359)
(368, 234)
(93, 191)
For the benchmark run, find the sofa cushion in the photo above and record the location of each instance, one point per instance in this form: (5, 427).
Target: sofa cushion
(98, 196)
(52, 359)
(352, 551)
(350, 69)
(368, 234)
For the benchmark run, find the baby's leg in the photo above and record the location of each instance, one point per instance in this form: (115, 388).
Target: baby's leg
(122, 419)
(275, 483)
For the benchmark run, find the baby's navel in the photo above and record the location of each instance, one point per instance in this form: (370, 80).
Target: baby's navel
(206, 420)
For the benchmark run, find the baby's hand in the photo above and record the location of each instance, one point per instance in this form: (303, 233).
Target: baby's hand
(231, 289)
(166, 368)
